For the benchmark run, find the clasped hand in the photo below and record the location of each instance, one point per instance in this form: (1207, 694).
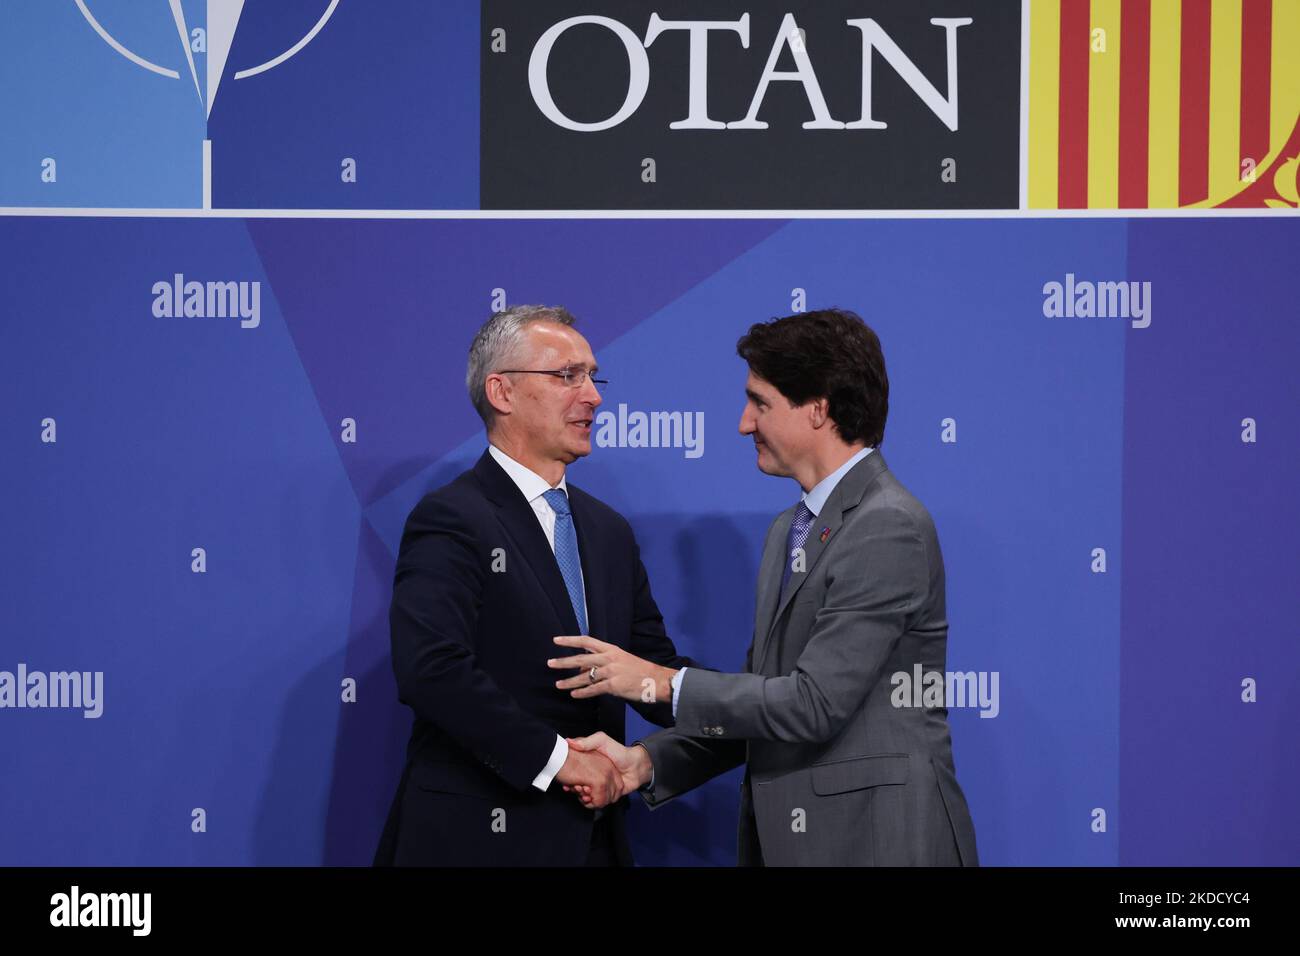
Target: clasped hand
(600, 770)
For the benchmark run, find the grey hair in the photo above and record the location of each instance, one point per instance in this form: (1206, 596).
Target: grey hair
(496, 344)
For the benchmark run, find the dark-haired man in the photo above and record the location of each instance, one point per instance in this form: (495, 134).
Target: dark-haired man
(850, 593)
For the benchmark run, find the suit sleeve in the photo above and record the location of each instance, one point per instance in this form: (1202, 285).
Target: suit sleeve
(437, 589)
(875, 587)
(650, 640)
(682, 763)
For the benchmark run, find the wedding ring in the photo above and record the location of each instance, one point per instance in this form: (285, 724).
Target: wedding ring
(591, 675)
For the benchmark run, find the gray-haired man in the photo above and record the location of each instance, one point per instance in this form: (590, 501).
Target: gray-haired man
(491, 567)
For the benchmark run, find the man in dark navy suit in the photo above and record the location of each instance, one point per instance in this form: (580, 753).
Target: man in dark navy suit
(491, 568)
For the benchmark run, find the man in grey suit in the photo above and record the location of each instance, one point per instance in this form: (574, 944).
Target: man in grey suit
(840, 770)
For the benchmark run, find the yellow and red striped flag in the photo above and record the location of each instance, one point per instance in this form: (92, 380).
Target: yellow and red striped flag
(1159, 104)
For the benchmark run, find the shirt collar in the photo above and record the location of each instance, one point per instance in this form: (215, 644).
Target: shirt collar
(529, 482)
(816, 499)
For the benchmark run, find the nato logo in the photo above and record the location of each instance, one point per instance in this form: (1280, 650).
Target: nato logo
(216, 39)
(213, 38)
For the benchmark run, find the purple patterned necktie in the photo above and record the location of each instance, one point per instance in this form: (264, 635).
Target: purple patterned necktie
(795, 541)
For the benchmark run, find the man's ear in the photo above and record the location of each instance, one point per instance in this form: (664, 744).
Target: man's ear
(499, 393)
(819, 412)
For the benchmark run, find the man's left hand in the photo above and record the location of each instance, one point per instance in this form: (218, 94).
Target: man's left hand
(617, 672)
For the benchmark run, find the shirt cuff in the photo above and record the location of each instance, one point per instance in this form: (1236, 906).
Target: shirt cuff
(677, 688)
(558, 756)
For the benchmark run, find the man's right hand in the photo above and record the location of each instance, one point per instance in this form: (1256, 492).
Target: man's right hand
(591, 774)
(633, 763)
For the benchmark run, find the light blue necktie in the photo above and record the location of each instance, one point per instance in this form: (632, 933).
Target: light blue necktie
(566, 553)
(797, 538)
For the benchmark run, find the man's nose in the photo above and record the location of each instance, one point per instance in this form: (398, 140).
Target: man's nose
(746, 423)
(590, 393)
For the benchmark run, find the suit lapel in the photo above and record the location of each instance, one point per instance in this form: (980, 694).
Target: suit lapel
(820, 534)
(846, 496)
(769, 583)
(521, 525)
(592, 550)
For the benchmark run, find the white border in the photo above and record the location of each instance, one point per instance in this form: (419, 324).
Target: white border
(192, 213)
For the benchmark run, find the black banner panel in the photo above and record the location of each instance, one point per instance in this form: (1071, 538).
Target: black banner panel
(886, 104)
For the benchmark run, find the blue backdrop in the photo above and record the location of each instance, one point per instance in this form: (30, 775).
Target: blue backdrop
(1115, 503)
(1120, 691)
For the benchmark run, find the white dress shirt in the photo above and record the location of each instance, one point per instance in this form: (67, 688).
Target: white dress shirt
(534, 486)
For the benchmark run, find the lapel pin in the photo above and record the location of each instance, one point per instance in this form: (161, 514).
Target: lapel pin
(826, 533)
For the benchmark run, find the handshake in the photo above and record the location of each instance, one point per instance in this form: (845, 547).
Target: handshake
(600, 770)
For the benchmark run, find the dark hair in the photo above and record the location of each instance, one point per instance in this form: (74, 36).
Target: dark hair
(831, 354)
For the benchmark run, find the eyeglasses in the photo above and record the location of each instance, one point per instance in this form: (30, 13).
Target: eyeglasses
(574, 376)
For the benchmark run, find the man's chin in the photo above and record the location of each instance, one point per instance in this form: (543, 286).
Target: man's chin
(575, 452)
(768, 467)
